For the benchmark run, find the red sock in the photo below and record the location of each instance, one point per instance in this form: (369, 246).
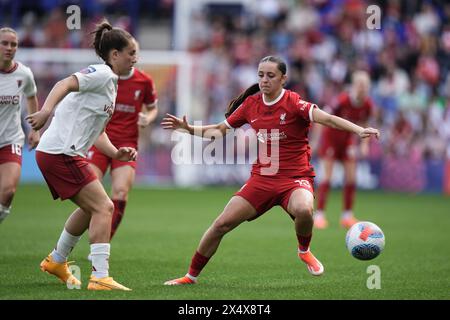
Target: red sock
(349, 196)
(303, 242)
(197, 264)
(322, 195)
(119, 211)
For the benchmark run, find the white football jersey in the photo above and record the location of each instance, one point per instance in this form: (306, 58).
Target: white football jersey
(82, 116)
(13, 86)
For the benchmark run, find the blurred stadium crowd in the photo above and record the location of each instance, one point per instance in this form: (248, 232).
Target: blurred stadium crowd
(42, 23)
(323, 41)
(408, 59)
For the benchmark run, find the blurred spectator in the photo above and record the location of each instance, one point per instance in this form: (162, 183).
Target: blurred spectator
(427, 20)
(29, 35)
(55, 30)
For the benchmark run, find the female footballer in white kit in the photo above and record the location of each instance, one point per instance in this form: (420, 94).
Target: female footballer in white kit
(16, 80)
(85, 103)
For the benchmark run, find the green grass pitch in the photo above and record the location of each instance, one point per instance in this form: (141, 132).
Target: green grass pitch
(256, 261)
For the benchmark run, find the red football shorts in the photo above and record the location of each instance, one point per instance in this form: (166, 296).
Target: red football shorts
(101, 161)
(65, 175)
(11, 153)
(338, 150)
(265, 192)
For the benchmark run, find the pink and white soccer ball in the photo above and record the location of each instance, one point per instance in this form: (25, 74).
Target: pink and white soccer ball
(365, 240)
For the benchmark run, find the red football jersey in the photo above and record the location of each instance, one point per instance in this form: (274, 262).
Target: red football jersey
(132, 93)
(346, 109)
(284, 122)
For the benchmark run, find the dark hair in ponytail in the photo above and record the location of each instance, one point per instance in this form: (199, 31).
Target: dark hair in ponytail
(107, 38)
(236, 102)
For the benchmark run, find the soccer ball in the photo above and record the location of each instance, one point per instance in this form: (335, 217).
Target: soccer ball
(365, 240)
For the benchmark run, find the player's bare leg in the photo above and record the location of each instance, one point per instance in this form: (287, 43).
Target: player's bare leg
(301, 204)
(97, 171)
(122, 182)
(235, 212)
(93, 199)
(9, 179)
(99, 174)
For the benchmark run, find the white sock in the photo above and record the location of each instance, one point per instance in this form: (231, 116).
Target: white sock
(300, 251)
(4, 212)
(100, 259)
(64, 246)
(347, 214)
(191, 277)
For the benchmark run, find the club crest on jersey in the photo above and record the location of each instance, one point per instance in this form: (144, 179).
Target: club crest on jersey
(88, 70)
(19, 83)
(283, 118)
(137, 93)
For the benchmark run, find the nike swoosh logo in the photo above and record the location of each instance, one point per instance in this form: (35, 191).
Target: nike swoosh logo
(253, 120)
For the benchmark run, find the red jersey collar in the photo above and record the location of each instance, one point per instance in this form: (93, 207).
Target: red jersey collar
(14, 68)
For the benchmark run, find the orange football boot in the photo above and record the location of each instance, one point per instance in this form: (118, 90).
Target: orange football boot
(180, 281)
(348, 222)
(314, 266)
(106, 283)
(60, 270)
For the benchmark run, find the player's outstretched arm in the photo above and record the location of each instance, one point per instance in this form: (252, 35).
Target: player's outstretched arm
(329, 120)
(62, 88)
(171, 122)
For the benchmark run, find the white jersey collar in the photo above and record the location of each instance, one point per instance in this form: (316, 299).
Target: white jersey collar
(128, 76)
(274, 101)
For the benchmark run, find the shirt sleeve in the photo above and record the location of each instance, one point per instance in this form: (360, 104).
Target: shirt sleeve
(238, 117)
(90, 79)
(30, 89)
(305, 109)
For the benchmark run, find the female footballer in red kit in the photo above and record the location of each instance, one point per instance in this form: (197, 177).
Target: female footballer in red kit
(280, 118)
(84, 104)
(336, 145)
